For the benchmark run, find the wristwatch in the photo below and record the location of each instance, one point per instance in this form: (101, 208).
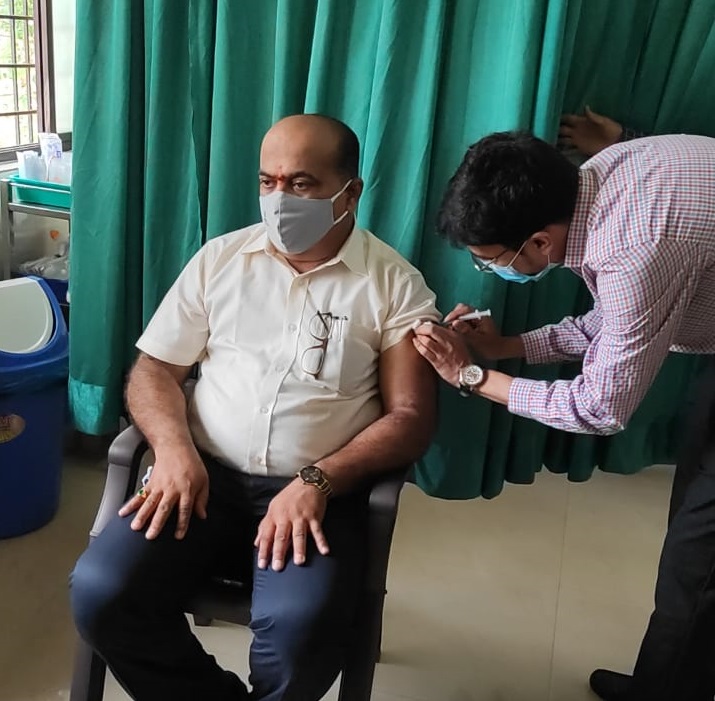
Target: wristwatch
(314, 476)
(470, 377)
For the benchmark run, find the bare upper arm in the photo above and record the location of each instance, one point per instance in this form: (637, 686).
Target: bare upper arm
(147, 363)
(408, 382)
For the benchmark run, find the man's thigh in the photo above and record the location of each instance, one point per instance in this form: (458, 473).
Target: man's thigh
(698, 434)
(121, 562)
(162, 570)
(322, 593)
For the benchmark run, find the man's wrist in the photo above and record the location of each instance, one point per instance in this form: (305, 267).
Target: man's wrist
(495, 387)
(469, 378)
(314, 476)
(628, 134)
(511, 347)
(173, 445)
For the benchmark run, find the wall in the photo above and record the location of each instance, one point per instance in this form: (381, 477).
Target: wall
(63, 26)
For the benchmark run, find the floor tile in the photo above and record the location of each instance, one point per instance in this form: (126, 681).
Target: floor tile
(615, 530)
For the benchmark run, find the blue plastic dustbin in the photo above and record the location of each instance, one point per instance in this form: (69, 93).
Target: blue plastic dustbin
(33, 400)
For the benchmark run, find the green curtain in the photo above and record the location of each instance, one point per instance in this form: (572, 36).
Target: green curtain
(172, 99)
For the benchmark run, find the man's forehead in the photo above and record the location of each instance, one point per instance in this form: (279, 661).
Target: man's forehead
(291, 161)
(487, 249)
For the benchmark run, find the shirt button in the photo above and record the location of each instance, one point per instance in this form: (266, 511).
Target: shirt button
(292, 328)
(264, 410)
(260, 461)
(280, 368)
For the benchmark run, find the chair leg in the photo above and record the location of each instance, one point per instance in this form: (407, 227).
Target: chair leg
(378, 646)
(88, 675)
(358, 675)
(202, 621)
(361, 658)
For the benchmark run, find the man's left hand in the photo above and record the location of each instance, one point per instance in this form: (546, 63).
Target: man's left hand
(445, 349)
(590, 133)
(294, 514)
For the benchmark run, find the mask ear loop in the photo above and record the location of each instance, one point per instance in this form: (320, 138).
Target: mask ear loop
(342, 189)
(335, 197)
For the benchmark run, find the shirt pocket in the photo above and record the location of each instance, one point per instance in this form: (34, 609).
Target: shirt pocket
(350, 360)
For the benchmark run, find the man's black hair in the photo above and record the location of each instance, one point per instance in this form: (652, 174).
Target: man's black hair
(509, 186)
(348, 150)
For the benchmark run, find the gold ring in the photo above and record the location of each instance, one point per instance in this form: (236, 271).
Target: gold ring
(142, 493)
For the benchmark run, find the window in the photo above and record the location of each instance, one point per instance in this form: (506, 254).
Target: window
(27, 84)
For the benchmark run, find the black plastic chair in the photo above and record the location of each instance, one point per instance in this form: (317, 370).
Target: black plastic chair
(230, 601)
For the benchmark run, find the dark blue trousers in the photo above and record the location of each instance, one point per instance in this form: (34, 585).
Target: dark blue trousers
(129, 595)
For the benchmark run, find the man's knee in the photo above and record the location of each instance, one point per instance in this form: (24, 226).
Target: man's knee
(290, 625)
(285, 623)
(687, 567)
(94, 591)
(288, 631)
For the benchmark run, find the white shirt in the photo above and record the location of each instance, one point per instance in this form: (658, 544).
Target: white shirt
(246, 315)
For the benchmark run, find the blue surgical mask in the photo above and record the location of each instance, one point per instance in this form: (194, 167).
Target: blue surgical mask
(509, 273)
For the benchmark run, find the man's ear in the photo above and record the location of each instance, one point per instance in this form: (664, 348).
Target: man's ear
(544, 242)
(353, 192)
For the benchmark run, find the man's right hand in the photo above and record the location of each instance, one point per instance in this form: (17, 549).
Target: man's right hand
(483, 337)
(178, 480)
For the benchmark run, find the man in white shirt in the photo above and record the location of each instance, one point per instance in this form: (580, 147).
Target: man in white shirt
(309, 386)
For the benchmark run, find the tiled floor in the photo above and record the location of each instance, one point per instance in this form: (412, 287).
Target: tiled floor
(516, 599)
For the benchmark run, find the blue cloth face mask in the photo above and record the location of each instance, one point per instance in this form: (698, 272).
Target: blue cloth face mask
(296, 224)
(509, 273)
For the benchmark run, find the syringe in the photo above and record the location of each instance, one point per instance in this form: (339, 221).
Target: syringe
(472, 316)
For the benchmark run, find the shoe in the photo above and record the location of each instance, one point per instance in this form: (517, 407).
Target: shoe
(610, 686)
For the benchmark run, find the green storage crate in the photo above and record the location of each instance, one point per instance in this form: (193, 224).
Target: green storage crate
(40, 192)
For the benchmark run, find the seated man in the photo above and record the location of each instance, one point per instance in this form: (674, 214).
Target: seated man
(302, 329)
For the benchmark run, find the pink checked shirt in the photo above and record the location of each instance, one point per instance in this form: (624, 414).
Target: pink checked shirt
(643, 240)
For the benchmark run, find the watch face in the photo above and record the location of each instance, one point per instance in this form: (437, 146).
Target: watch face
(311, 474)
(472, 375)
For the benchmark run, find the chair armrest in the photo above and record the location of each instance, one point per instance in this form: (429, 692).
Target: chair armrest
(385, 494)
(123, 450)
(125, 456)
(382, 514)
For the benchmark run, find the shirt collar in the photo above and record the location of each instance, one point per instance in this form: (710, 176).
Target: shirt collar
(578, 227)
(257, 242)
(352, 253)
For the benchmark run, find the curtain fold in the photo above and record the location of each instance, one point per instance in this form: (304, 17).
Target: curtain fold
(108, 174)
(172, 101)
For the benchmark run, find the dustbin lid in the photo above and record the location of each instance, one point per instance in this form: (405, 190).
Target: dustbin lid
(26, 319)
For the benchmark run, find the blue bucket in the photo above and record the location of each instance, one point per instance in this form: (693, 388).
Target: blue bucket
(33, 406)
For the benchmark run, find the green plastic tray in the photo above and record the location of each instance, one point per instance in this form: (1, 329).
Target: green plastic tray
(40, 192)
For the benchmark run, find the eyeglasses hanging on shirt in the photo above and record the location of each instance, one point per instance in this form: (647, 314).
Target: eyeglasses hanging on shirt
(323, 327)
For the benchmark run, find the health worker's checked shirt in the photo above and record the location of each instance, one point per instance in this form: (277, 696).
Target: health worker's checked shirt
(643, 240)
